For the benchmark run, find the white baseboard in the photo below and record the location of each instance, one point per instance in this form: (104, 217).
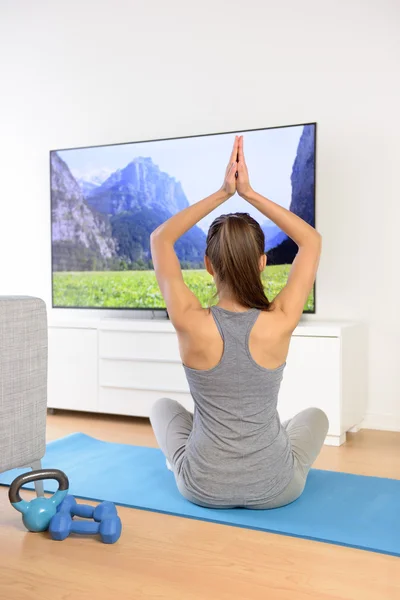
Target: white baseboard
(385, 422)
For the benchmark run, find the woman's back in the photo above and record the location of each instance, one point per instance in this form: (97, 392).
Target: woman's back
(234, 451)
(237, 448)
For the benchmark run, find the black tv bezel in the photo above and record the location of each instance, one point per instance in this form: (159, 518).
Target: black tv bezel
(158, 309)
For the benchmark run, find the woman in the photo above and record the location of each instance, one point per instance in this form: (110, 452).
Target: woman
(234, 451)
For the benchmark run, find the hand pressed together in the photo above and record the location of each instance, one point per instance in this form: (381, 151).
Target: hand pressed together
(242, 183)
(236, 174)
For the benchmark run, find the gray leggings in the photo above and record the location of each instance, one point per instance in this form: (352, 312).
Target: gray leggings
(172, 425)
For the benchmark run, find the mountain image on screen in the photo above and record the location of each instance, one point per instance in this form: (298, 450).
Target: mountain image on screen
(93, 227)
(102, 225)
(281, 249)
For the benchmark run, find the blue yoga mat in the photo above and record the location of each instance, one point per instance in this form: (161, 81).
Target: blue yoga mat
(338, 508)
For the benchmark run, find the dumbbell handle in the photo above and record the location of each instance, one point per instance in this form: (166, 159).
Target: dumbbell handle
(85, 527)
(71, 507)
(83, 510)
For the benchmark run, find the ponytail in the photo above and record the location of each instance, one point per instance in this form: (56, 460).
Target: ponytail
(235, 244)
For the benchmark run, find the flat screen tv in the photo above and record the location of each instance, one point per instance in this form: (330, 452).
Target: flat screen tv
(106, 201)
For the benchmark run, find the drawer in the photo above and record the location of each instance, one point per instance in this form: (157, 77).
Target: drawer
(143, 374)
(136, 403)
(139, 344)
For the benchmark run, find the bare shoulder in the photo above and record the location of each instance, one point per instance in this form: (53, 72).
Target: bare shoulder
(196, 321)
(199, 329)
(200, 342)
(269, 339)
(272, 324)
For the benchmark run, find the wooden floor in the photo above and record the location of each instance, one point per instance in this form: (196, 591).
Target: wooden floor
(162, 557)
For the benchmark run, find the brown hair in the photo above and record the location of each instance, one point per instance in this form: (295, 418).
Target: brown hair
(235, 243)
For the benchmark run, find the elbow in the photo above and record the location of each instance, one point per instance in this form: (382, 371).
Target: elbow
(153, 243)
(318, 242)
(155, 235)
(313, 242)
(159, 237)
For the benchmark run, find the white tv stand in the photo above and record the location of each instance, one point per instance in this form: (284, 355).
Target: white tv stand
(121, 366)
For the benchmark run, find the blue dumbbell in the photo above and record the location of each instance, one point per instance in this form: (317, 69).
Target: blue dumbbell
(62, 524)
(98, 513)
(70, 505)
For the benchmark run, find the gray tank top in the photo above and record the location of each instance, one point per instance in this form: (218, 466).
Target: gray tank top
(238, 453)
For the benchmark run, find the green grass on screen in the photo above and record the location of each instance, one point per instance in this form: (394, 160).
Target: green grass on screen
(139, 289)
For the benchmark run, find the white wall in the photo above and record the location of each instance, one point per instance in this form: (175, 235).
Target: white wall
(92, 72)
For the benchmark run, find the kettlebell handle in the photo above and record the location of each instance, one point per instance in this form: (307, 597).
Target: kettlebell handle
(38, 475)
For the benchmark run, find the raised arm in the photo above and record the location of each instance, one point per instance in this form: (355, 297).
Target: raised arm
(181, 303)
(291, 300)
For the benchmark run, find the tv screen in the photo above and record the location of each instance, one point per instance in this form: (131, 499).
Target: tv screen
(106, 201)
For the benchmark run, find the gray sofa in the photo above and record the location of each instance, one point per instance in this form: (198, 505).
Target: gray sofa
(23, 383)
